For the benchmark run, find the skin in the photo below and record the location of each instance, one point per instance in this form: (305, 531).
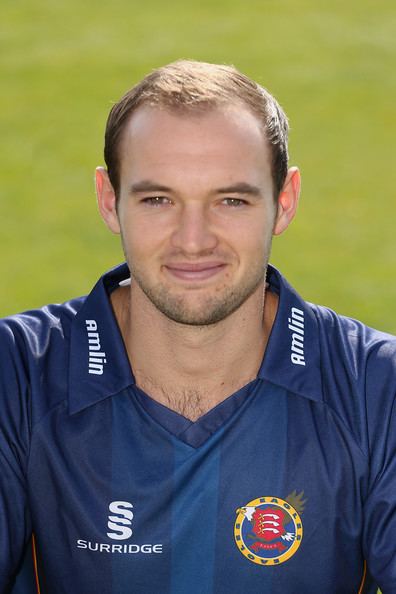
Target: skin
(196, 215)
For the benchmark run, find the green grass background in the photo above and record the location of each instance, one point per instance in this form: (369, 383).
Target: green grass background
(330, 64)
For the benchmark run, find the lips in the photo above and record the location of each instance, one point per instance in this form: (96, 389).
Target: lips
(195, 271)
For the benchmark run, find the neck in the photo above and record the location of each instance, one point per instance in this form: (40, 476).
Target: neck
(180, 365)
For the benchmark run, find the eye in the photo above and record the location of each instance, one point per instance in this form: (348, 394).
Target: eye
(156, 200)
(235, 202)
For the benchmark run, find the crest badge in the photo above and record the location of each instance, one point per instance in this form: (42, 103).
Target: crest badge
(269, 530)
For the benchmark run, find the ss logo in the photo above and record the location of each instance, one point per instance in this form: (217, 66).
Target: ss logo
(120, 523)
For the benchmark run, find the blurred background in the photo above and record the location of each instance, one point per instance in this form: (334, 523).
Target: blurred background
(331, 65)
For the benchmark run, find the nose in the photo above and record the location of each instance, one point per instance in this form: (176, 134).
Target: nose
(194, 233)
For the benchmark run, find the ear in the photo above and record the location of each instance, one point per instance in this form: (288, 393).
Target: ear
(288, 200)
(106, 200)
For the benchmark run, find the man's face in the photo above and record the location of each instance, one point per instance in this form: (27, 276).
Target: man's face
(196, 210)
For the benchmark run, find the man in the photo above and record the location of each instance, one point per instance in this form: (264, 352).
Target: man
(193, 426)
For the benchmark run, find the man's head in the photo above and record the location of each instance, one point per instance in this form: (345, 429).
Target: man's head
(191, 191)
(189, 86)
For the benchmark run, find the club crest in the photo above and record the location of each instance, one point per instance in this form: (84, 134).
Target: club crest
(268, 530)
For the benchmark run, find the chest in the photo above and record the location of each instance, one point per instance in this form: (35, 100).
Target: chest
(270, 501)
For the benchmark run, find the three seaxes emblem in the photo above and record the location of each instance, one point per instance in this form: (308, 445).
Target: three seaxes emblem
(268, 530)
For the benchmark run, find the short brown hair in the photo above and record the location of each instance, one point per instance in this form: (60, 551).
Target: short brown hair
(190, 85)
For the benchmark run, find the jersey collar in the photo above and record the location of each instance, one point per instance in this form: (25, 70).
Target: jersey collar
(292, 357)
(99, 365)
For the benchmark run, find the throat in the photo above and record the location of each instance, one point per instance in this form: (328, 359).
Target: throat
(190, 402)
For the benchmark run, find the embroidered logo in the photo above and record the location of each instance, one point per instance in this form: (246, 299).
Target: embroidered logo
(96, 358)
(120, 524)
(296, 325)
(269, 530)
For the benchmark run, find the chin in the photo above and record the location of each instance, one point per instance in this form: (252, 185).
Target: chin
(203, 307)
(207, 313)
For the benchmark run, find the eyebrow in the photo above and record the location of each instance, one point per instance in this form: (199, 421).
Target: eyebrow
(147, 186)
(238, 188)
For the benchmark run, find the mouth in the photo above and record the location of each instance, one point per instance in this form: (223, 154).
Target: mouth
(198, 271)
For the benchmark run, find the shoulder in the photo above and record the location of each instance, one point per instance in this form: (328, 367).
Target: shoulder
(358, 368)
(33, 331)
(34, 353)
(353, 345)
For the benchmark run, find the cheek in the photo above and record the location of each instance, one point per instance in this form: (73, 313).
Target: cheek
(252, 235)
(142, 238)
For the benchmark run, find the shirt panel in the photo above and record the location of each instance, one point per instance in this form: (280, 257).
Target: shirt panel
(182, 502)
(305, 457)
(15, 405)
(25, 582)
(359, 386)
(380, 512)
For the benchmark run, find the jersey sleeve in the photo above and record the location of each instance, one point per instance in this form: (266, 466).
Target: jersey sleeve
(15, 523)
(380, 507)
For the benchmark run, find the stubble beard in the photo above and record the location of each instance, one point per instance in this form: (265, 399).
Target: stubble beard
(210, 309)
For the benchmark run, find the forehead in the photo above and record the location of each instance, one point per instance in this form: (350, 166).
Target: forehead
(227, 139)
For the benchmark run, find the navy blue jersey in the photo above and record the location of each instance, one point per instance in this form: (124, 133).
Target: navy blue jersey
(287, 486)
